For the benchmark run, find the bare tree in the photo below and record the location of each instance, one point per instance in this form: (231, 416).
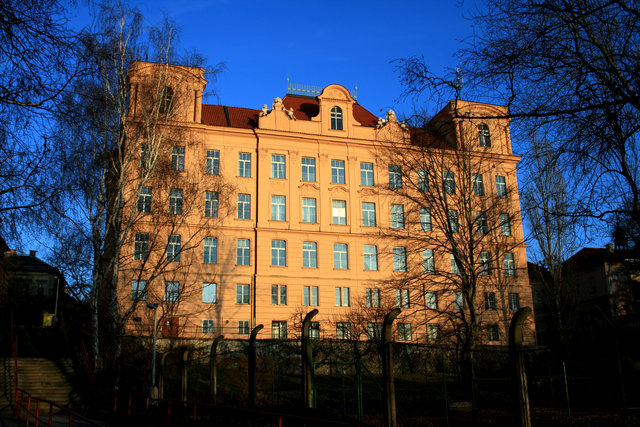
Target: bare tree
(460, 234)
(568, 68)
(547, 209)
(38, 62)
(127, 204)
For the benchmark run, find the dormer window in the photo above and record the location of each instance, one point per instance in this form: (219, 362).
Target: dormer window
(336, 118)
(166, 100)
(483, 135)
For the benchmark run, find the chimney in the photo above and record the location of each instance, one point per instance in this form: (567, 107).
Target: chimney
(33, 253)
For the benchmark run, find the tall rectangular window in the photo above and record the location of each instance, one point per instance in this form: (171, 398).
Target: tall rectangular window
(213, 162)
(337, 172)
(339, 212)
(431, 299)
(279, 329)
(278, 166)
(501, 187)
(211, 204)
(478, 185)
(374, 330)
(141, 246)
(397, 216)
(433, 332)
(505, 224)
(514, 302)
(452, 215)
(139, 290)
(483, 135)
(485, 266)
(455, 269)
(404, 332)
(177, 158)
(314, 330)
(279, 294)
(481, 223)
(449, 180)
(509, 265)
(372, 297)
(278, 253)
(395, 176)
(427, 261)
(242, 294)
(243, 251)
(489, 301)
(425, 219)
(366, 174)
(310, 296)
(243, 327)
(493, 333)
(171, 291)
(370, 257)
(368, 214)
(402, 298)
(209, 292)
(174, 242)
(399, 259)
(310, 254)
(423, 180)
(278, 208)
(458, 301)
(210, 253)
(343, 298)
(144, 200)
(309, 169)
(309, 210)
(244, 206)
(340, 256)
(175, 201)
(244, 164)
(144, 156)
(208, 327)
(343, 330)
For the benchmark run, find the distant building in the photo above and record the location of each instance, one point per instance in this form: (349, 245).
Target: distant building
(30, 288)
(600, 288)
(308, 220)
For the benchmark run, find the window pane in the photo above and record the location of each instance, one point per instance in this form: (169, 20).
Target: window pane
(395, 177)
(399, 259)
(308, 169)
(370, 257)
(397, 216)
(337, 172)
(213, 162)
(278, 166)
(368, 214)
(340, 260)
(501, 187)
(336, 118)
(209, 292)
(278, 208)
(309, 254)
(366, 174)
(339, 212)
(210, 254)
(309, 210)
(244, 164)
(425, 219)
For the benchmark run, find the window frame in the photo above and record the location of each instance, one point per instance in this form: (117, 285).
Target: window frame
(244, 206)
(243, 294)
(370, 257)
(141, 245)
(340, 256)
(144, 199)
(176, 198)
(308, 170)
(449, 182)
(309, 254)
(336, 117)
(278, 166)
(278, 208)
(244, 164)
(501, 187)
(428, 261)
(177, 158)
(366, 174)
(477, 182)
(243, 253)
(397, 216)
(369, 214)
(210, 250)
(309, 213)
(171, 291)
(138, 290)
(395, 176)
(212, 164)
(211, 203)
(399, 259)
(336, 209)
(338, 171)
(484, 135)
(174, 247)
(278, 253)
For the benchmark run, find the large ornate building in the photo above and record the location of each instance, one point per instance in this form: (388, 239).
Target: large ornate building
(259, 216)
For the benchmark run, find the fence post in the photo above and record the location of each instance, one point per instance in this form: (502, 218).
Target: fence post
(307, 360)
(163, 369)
(387, 368)
(213, 369)
(252, 365)
(515, 353)
(184, 358)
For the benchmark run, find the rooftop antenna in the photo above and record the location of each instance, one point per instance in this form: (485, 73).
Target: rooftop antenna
(458, 82)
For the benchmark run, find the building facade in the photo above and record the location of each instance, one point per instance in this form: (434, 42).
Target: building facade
(301, 205)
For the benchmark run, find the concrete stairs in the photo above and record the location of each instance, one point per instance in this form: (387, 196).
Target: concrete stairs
(42, 378)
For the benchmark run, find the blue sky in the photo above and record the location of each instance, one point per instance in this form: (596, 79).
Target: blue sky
(318, 43)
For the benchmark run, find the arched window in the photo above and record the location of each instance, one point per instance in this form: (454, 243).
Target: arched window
(166, 100)
(336, 118)
(483, 135)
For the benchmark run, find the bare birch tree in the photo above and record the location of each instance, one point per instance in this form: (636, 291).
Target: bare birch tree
(127, 202)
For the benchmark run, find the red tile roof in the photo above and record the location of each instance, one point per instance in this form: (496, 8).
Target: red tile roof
(235, 117)
(304, 108)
